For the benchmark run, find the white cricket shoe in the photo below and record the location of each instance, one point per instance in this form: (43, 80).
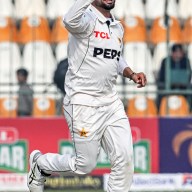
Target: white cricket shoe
(35, 179)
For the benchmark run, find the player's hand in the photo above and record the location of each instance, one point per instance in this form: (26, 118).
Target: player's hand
(140, 79)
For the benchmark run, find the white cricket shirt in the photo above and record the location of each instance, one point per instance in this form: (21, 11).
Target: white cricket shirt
(94, 56)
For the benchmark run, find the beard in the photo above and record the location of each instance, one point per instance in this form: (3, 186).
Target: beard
(103, 5)
(108, 7)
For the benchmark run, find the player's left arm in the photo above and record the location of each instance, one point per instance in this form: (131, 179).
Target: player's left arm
(126, 71)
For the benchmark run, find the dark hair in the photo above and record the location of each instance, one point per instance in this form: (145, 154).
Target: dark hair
(177, 47)
(22, 72)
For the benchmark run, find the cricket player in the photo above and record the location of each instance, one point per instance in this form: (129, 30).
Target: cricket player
(94, 113)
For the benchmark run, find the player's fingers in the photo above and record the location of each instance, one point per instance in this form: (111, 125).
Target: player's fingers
(136, 78)
(143, 79)
(139, 86)
(140, 79)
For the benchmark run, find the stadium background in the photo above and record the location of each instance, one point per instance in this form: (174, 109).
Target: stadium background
(32, 36)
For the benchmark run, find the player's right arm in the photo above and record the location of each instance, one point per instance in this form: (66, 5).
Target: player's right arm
(76, 21)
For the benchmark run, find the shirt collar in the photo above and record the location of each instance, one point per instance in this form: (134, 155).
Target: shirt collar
(101, 17)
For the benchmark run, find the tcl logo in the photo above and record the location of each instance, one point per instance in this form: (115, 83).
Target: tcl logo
(101, 35)
(8, 135)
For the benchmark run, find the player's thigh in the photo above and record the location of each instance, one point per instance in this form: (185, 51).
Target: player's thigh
(83, 125)
(86, 154)
(85, 122)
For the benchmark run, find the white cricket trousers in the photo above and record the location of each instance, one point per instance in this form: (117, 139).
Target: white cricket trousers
(92, 128)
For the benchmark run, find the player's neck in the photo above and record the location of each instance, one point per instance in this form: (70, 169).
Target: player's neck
(105, 12)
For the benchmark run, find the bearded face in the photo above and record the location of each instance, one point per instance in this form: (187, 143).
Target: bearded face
(105, 4)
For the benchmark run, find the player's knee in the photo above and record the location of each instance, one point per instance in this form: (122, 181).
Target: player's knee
(123, 161)
(124, 168)
(85, 166)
